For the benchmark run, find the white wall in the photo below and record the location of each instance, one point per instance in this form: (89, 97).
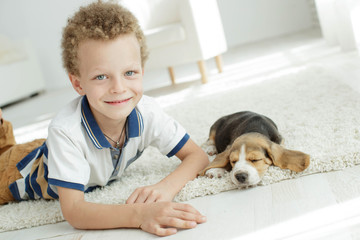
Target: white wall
(244, 21)
(42, 21)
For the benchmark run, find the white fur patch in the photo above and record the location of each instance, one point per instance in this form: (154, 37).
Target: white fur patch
(243, 166)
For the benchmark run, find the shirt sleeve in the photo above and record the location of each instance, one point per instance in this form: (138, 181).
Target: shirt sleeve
(164, 132)
(68, 167)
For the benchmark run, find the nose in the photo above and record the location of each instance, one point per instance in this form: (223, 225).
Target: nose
(241, 177)
(117, 85)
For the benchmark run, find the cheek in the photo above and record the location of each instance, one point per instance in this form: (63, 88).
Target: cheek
(261, 167)
(94, 93)
(139, 89)
(136, 86)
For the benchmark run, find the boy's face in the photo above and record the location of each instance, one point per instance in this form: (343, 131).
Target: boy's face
(110, 76)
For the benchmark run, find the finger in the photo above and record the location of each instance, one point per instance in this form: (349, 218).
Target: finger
(165, 231)
(160, 230)
(141, 198)
(191, 217)
(187, 212)
(186, 208)
(180, 223)
(161, 199)
(132, 197)
(151, 198)
(198, 218)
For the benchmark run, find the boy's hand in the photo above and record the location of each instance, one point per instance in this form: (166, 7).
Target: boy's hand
(160, 218)
(153, 193)
(193, 160)
(164, 218)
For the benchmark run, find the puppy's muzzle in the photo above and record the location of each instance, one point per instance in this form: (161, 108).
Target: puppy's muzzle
(243, 178)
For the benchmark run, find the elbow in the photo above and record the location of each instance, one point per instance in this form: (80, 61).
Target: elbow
(74, 217)
(76, 223)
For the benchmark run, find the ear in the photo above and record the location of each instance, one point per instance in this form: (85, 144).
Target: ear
(221, 161)
(288, 159)
(75, 82)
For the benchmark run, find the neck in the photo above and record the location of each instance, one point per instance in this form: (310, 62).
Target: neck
(118, 140)
(110, 127)
(113, 130)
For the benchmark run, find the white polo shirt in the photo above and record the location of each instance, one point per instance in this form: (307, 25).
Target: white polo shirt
(77, 155)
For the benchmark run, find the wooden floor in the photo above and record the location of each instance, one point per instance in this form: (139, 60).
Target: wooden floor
(319, 206)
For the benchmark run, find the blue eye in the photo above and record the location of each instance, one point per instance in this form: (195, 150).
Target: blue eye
(100, 77)
(129, 73)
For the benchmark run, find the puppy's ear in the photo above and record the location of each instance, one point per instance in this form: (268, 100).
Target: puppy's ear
(221, 161)
(288, 159)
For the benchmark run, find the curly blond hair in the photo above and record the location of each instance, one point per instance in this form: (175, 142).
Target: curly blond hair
(98, 21)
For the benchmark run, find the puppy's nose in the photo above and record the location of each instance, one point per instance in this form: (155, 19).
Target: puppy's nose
(241, 177)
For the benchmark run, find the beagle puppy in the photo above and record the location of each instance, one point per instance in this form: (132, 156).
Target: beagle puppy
(246, 144)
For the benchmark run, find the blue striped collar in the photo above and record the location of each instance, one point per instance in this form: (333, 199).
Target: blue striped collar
(134, 127)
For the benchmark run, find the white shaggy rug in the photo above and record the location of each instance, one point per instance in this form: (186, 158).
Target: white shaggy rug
(314, 111)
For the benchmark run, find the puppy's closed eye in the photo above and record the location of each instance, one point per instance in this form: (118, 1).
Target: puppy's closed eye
(234, 157)
(232, 162)
(256, 160)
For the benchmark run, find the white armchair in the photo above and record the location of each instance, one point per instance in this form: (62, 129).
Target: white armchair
(179, 32)
(340, 22)
(20, 72)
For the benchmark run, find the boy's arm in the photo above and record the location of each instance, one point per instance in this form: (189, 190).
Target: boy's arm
(193, 160)
(158, 218)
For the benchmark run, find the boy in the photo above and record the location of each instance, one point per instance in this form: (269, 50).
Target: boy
(95, 137)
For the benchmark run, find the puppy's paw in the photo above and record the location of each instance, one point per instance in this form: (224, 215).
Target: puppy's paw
(209, 147)
(211, 150)
(215, 172)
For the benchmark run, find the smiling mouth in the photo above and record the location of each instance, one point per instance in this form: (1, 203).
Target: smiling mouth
(118, 101)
